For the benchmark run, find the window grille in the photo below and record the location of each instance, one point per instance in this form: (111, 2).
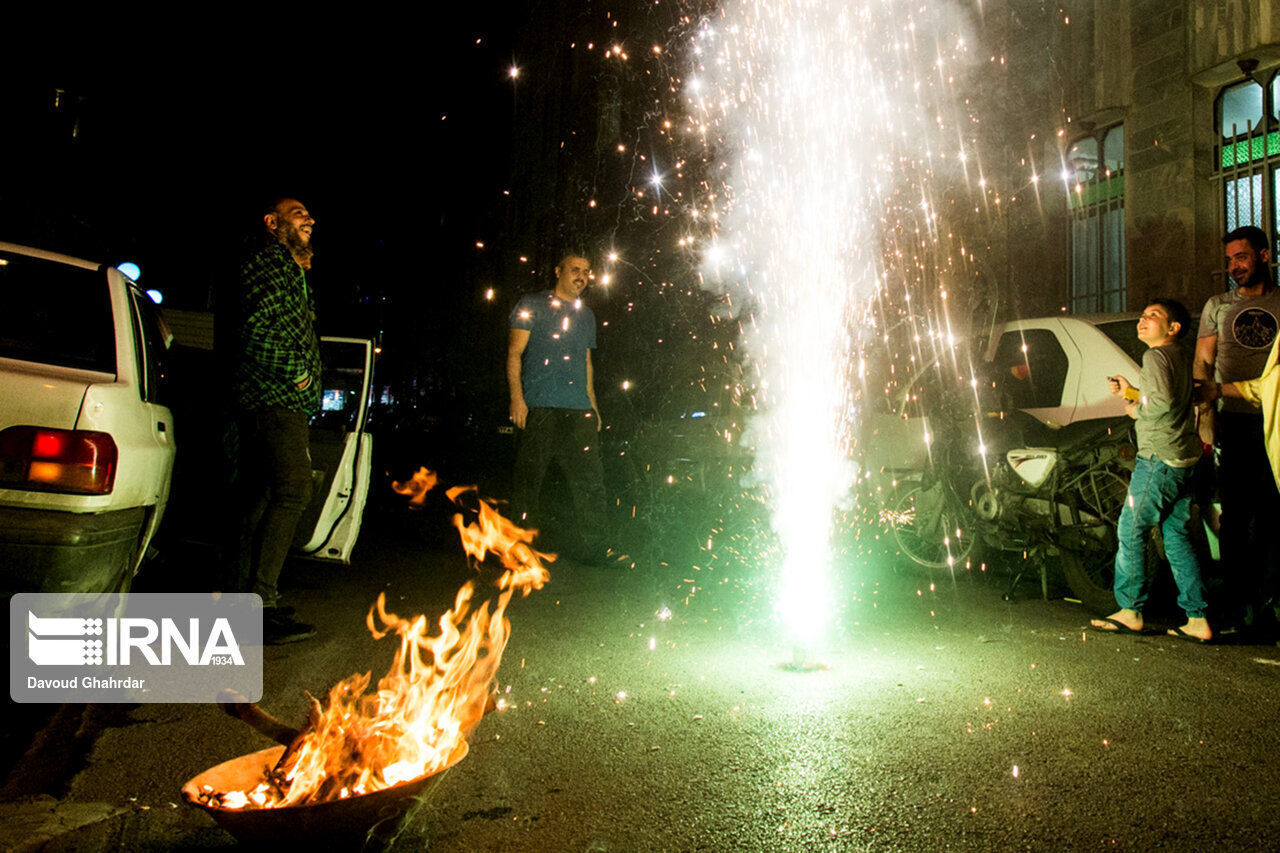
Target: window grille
(1095, 202)
(1247, 161)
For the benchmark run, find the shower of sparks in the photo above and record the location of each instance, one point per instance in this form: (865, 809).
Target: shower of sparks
(784, 155)
(898, 517)
(823, 132)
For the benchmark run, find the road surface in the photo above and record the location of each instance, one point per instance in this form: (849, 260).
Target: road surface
(940, 718)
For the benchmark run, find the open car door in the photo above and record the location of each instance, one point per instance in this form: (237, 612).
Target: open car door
(341, 452)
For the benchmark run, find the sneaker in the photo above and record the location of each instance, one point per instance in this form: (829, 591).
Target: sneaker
(279, 628)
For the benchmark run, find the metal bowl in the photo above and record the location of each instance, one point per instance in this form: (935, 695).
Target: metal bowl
(344, 822)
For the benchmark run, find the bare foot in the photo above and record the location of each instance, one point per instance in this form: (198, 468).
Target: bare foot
(1197, 628)
(1129, 619)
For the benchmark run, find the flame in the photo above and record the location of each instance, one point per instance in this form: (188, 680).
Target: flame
(416, 486)
(492, 533)
(436, 691)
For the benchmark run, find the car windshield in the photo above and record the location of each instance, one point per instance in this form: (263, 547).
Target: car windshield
(53, 313)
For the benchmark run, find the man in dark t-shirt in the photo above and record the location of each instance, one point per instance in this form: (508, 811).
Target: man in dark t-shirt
(1237, 329)
(553, 400)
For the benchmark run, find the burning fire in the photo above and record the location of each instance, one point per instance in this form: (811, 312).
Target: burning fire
(437, 690)
(492, 533)
(417, 486)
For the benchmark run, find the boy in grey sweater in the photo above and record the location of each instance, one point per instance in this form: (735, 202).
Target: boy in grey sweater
(1160, 489)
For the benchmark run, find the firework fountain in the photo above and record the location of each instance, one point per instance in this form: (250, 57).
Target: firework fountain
(822, 119)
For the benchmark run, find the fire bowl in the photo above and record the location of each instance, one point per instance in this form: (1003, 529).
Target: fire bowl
(343, 823)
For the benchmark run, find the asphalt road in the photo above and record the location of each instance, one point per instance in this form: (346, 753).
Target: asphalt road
(942, 718)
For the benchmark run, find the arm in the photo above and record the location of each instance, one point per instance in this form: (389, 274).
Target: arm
(1250, 390)
(591, 392)
(1156, 382)
(518, 340)
(272, 324)
(1253, 389)
(1203, 379)
(1206, 355)
(1120, 386)
(1209, 392)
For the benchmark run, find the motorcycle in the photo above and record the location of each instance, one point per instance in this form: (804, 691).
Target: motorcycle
(1021, 486)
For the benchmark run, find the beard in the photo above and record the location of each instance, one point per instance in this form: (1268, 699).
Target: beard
(1251, 279)
(293, 240)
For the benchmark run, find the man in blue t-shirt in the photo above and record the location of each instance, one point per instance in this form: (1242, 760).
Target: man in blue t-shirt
(553, 399)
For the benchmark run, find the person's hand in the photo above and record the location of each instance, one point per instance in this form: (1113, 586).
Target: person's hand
(1206, 391)
(519, 413)
(1118, 385)
(1131, 409)
(599, 420)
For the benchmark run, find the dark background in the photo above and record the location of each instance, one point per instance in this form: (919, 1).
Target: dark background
(170, 168)
(411, 144)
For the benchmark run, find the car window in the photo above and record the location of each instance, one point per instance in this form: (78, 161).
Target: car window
(152, 352)
(1030, 368)
(54, 313)
(342, 387)
(1124, 333)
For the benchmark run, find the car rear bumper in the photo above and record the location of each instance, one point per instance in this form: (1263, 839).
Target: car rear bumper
(47, 551)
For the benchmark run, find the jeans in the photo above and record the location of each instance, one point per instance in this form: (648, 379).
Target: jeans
(274, 490)
(1158, 494)
(570, 437)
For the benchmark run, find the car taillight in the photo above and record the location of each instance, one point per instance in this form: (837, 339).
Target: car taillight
(57, 460)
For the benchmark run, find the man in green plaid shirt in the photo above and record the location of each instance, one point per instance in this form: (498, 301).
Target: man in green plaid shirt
(277, 388)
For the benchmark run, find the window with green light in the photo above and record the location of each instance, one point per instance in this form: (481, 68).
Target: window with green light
(1247, 162)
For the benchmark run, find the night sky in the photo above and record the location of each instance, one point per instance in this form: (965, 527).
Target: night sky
(410, 143)
(398, 144)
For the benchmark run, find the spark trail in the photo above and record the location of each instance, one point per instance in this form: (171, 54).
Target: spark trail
(821, 109)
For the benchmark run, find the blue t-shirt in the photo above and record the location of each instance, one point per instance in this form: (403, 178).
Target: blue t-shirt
(554, 370)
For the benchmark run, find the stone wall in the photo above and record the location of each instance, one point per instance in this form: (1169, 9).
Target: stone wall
(1160, 186)
(1156, 65)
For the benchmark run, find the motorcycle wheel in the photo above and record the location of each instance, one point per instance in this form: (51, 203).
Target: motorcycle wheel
(1091, 573)
(1091, 577)
(930, 529)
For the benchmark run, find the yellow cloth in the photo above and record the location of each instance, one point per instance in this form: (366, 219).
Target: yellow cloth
(1265, 392)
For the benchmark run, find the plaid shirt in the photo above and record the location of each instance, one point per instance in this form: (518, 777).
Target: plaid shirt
(278, 347)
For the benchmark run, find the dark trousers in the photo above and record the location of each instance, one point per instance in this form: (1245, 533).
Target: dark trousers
(570, 437)
(273, 490)
(1250, 510)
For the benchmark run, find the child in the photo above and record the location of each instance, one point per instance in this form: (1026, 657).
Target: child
(1160, 490)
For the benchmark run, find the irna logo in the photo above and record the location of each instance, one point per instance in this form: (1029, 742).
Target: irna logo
(62, 641)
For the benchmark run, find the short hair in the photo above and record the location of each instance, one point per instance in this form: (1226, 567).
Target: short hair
(1256, 236)
(272, 205)
(571, 252)
(1176, 311)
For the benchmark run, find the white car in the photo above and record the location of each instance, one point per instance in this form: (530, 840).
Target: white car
(1056, 368)
(86, 446)
(1053, 368)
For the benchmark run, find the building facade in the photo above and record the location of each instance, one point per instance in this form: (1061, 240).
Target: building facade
(1153, 127)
